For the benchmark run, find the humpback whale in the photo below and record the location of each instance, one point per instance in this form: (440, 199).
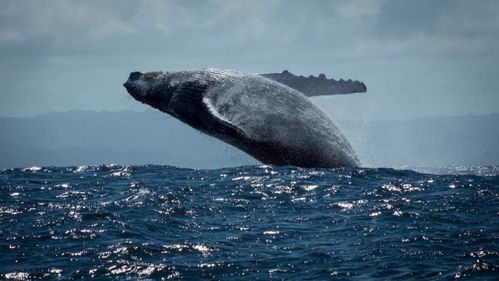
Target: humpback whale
(267, 116)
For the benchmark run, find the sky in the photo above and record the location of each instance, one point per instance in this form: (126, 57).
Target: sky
(417, 58)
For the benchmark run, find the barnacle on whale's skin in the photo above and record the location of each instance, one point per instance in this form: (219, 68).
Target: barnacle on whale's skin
(152, 74)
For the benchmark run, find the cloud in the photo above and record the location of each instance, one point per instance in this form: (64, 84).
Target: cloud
(383, 42)
(360, 9)
(111, 26)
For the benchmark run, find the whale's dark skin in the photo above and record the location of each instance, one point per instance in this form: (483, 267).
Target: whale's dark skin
(268, 120)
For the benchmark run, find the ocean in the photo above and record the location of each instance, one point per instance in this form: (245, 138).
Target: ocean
(249, 223)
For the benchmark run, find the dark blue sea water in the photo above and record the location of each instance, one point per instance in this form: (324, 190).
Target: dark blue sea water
(248, 223)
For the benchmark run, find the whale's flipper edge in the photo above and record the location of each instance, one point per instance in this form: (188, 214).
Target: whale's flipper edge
(317, 86)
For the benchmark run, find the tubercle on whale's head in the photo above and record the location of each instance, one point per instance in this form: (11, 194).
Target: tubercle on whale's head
(152, 88)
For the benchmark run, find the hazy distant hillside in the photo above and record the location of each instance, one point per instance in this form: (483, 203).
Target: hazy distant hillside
(127, 137)
(81, 137)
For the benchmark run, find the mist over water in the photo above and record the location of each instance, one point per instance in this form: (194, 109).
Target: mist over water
(252, 222)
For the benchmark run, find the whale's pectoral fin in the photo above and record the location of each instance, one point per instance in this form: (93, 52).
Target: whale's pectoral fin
(189, 106)
(224, 128)
(317, 86)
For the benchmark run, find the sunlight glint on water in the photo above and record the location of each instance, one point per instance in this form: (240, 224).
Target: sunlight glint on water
(255, 222)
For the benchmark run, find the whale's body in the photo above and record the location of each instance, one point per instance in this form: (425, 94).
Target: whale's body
(268, 120)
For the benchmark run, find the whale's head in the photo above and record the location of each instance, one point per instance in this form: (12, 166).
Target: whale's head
(182, 95)
(158, 89)
(153, 88)
(179, 94)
